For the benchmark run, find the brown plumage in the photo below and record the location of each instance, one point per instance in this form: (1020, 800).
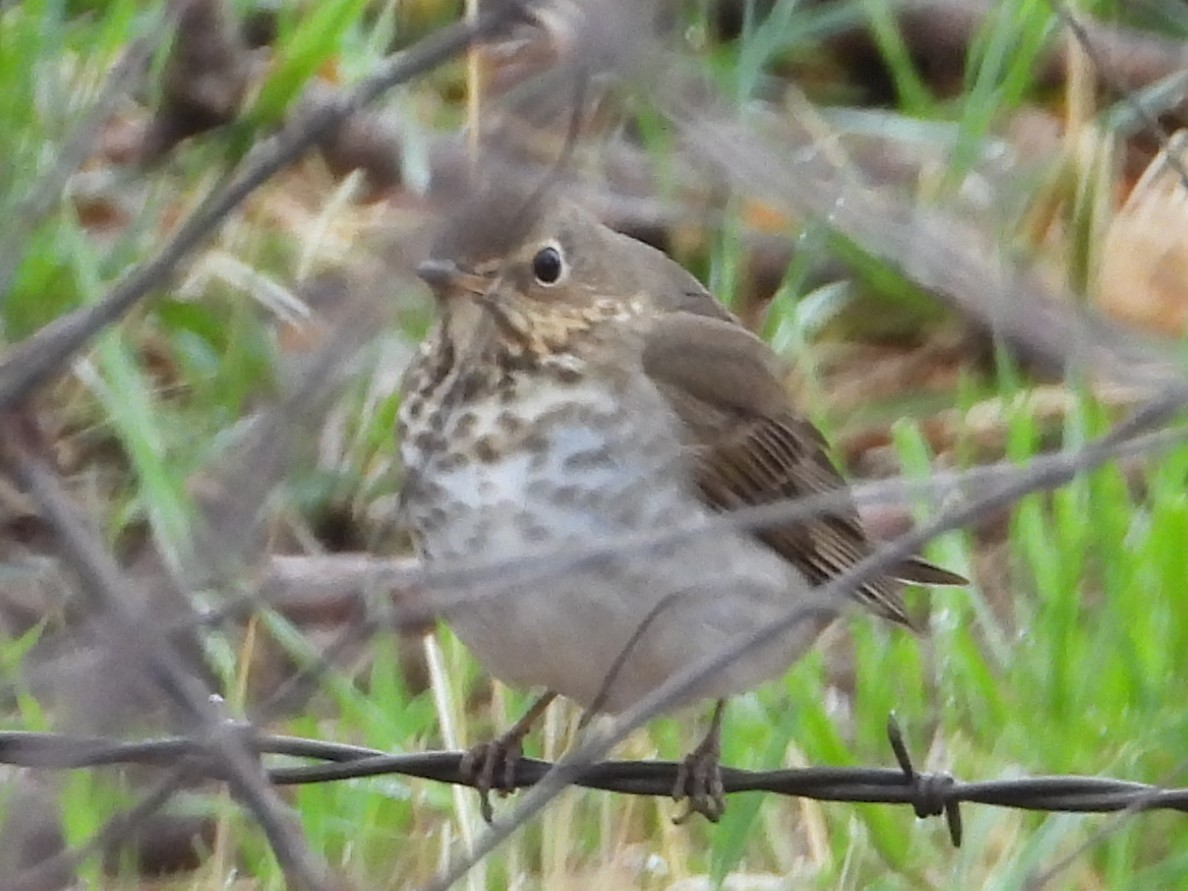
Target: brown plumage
(752, 449)
(580, 384)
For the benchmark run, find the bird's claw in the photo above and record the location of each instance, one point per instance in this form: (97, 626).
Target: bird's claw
(699, 784)
(491, 766)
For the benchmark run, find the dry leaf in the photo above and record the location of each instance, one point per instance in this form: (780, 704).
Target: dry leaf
(1144, 271)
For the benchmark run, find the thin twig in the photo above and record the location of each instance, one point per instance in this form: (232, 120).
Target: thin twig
(34, 360)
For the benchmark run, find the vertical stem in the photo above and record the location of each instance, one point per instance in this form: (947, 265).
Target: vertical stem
(222, 842)
(447, 714)
(473, 86)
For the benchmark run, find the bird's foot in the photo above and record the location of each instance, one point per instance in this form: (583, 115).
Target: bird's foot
(491, 766)
(699, 784)
(699, 777)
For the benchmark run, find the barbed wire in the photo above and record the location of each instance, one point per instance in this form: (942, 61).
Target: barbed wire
(928, 794)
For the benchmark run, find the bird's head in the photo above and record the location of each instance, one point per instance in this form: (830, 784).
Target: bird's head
(545, 272)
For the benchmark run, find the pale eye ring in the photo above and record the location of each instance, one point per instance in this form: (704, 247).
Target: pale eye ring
(548, 266)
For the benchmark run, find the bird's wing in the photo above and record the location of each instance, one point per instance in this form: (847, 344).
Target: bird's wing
(750, 448)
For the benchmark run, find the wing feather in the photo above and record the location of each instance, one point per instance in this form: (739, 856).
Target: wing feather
(751, 449)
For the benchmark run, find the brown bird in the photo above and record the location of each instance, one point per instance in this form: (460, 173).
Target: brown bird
(580, 385)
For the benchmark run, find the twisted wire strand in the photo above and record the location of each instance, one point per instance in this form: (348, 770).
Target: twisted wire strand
(928, 794)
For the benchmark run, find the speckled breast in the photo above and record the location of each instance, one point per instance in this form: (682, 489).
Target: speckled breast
(533, 463)
(535, 459)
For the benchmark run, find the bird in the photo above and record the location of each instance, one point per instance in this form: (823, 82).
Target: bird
(579, 385)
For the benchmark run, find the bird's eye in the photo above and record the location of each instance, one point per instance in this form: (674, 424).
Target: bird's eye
(548, 266)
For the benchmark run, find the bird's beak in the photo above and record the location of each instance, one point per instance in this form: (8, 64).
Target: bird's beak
(438, 274)
(446, 278)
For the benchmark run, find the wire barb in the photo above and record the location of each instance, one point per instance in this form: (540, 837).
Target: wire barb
(928, 794)
(932, 793)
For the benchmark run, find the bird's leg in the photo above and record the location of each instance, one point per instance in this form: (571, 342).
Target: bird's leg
(482, 762)
(699, 777)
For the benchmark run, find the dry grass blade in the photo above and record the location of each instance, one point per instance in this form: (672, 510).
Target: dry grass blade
(1108, 72)
(944, 255)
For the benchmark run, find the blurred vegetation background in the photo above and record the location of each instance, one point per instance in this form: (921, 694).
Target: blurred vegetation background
(989, 122)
